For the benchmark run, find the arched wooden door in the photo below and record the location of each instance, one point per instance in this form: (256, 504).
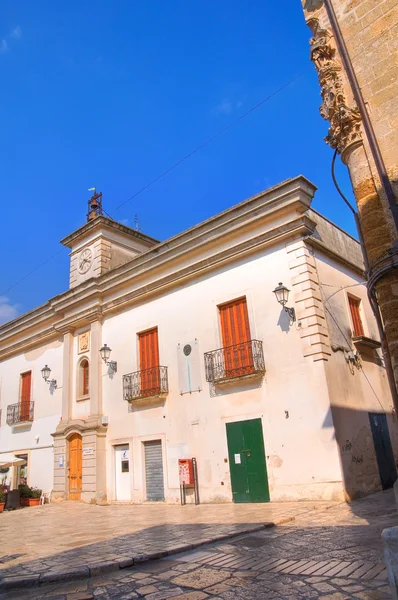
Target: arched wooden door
(75, 467)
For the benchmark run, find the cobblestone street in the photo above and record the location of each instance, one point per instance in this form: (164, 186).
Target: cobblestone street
(329, 553)
(90, 538)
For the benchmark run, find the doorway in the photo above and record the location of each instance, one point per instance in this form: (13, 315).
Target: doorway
(383, 448)
(154, 471)
(248, 468)
(75, 467)
(122, 473)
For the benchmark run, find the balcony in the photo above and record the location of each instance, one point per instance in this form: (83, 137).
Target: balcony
(233, 362)
(149, 383)
(20, 413)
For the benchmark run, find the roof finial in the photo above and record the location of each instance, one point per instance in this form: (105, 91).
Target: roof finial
(94, 205)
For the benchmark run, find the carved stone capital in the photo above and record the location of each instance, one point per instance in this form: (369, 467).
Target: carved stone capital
(345, 121)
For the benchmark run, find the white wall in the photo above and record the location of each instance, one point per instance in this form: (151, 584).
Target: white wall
(302, 458)
(34, 438)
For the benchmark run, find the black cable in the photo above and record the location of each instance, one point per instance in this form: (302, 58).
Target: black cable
(213, 137)
(208, 141)
(352, 209)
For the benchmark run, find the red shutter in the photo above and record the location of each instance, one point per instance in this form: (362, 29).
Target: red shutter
(149, 361)
(26, 382)
(235, 331)
(356, 316)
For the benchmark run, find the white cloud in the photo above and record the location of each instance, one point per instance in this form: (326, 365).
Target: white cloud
(227, 106)
(8, 311)
(16, 33)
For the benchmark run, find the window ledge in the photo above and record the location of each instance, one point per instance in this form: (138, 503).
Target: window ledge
(362, 340)
(236, 378)
(82, 398)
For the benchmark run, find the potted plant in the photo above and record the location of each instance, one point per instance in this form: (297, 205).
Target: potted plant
(29, 496)
(2, 499)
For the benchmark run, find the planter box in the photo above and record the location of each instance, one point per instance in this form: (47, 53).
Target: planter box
(30, 501)
(2, 505)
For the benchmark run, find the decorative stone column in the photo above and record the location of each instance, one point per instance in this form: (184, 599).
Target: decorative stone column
(345, 135)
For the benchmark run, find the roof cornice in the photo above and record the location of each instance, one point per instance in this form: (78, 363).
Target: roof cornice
(102, 222)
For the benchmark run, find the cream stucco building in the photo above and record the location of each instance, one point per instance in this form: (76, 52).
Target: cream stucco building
(208, 364)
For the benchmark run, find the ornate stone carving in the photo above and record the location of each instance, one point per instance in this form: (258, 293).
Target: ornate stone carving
(84, 342)
(345, 121)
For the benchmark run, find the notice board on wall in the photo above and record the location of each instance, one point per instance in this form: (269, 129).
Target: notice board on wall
(189, 379)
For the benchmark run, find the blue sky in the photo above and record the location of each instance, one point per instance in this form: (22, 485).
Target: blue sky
(110, 94)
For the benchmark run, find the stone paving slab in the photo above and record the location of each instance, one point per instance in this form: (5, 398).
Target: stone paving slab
(334, 553)
(63, 542)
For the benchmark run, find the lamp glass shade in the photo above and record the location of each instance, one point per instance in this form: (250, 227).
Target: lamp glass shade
(105, 352)
(282, 294)
(46, 372)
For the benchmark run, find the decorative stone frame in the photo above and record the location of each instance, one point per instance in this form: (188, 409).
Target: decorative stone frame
(79, 379)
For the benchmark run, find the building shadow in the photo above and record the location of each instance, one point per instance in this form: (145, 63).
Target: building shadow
(367, 442)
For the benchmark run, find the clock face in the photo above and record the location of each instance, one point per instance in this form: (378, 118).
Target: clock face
(85, 260)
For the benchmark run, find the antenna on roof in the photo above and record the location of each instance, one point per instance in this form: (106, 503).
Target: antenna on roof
(136, 227)
(94, 205)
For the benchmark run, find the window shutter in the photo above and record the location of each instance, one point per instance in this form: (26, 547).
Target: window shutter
(26, 381)
(85, 377)
(149, 361)
(356, 316)
(235, 330)
(234, 319)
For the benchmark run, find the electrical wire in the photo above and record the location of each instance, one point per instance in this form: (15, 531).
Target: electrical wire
(31, 272)
(213, 137)
(179, 162)
(344, 287)
(349, 344)
(352, 209)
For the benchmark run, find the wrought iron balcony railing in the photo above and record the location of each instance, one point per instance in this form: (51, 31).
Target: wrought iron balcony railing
(20, 413)
(235, 361)
(145, 384)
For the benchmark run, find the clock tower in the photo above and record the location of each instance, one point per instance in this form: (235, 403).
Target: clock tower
(102, 245)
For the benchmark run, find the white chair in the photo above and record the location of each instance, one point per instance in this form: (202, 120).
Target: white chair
(45, 498)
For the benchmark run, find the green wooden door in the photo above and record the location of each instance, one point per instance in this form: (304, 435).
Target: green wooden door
(247, 461)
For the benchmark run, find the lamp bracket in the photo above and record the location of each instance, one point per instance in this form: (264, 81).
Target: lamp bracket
(112, 364)
(291, 312)
(51, 382)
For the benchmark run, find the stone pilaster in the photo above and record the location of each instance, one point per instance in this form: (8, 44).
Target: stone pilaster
(67, 377)
(310, 313)
(96, 369)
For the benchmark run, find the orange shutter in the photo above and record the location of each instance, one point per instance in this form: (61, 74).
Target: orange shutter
(356, 316)
(26, 381)
(149, 361)
(236, 338)
(85, 377)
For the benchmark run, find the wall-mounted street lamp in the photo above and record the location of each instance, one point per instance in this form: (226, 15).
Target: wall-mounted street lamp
(46, 372)
(105, 354)
(282, 295)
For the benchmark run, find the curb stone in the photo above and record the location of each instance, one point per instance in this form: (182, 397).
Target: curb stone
(98, 567)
